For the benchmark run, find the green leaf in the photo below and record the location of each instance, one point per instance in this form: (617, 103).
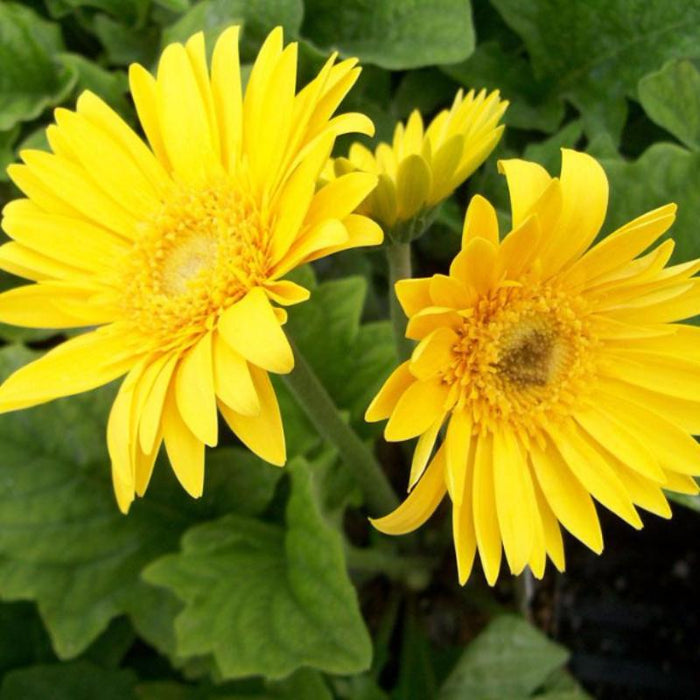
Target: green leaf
(393, 34)
(63, 542)
(664, 173)
(596, 51)
(258, 17)
(111, 86)
(510, 659)
(299, 686)
(76, 681)
(671, 97)
(23, 640)
(533, 104)
(267, 600)
(548, 152)
(124, 45)
(127, 11)
(692, 502)
(7, 153)
(30, 81)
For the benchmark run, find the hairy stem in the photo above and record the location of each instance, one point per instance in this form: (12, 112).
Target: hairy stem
(399, 259)
(323, 413)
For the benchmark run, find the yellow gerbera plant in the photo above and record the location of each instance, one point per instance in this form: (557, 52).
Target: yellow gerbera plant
(423, 166)
(558, 369)
(178, 252)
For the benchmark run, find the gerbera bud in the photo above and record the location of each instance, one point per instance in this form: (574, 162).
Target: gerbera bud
(423, 166)
(558, 369)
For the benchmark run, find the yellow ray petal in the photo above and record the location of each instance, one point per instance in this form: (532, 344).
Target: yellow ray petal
(593, 470)
(228, 100)
(584, 189)
(420, 504)
(433, 354)
(185, 450)
(340, 197)
(450, 292)
(417, 409)
(423, 451)
(458, 441)
(480, 222)
(263, 433)
(233, 381)
(152, 411)
(251, 328)
(519, 248)
(488, 533)
(388, 396)
(119, 440)
(194, 391)
(77, 365)
(526, 184)
(476, 265)
(413, 294)
(515, 500)
(430, 318)
(413, 182)
(463, 532)
(672, 446)
(181, 111)
(643, 492)
(144, 92)
(610, 433)
(553, 541)
(286, 292)
(569, 501)
(19, 260)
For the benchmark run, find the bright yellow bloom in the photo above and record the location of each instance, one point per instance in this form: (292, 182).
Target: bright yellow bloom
(177, 252)
(558, 369)
(424, 166)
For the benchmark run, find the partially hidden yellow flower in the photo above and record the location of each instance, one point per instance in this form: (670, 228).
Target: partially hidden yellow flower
(558, 369)
(177, 252)
(423, 166)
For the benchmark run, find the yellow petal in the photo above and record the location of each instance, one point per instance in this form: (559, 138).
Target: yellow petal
(569, 501)
(413, 294)
(594, 472)
(488, 534)
(450, 292)
(194, 391)
(584, 189)
(604, 427)
(519, 248)
(458, 442)
(420, 504)
(144, 92)
(77, 365)
(185, 450)
(552, 534)
(526, 183)
(152, 411)
(423, 451)
(226, 90)
(233, 381)
(480, 222)
(388, 396)
(417, 409)
(181, 111)
(476, 264)
(119, 440)
(515, 500)
(672, 446)
(433, 354)
(413, 181)
(430, 318)
(251, 328)
(340, 197)
(263, 433)
(463, 531)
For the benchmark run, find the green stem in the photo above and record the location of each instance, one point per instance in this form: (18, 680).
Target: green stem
(319, 407)
(399, 258)
(524, 593)
(414, 571)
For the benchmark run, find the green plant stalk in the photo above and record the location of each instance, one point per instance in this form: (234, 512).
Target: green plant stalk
(399, 258)
(323, 413)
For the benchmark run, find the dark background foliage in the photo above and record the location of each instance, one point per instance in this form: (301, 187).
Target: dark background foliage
(254, 592)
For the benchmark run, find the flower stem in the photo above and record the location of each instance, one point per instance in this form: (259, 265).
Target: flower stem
(323, 413)
(399, 258)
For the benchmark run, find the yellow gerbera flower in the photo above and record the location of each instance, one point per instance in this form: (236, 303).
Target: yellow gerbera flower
(558, 368)
(424, 166)
(177, 252)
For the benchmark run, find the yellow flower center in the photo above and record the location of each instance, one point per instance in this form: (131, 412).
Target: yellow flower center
(524, 358)
(197, 255)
